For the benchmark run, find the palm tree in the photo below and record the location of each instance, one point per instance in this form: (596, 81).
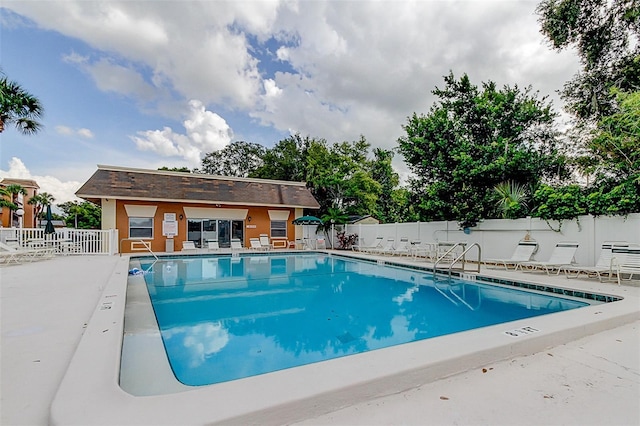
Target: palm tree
(19, 107)
(333, 216)
(40, 201)
(512, 199)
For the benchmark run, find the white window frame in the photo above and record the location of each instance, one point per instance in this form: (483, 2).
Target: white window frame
(278, 230)
(141, 227)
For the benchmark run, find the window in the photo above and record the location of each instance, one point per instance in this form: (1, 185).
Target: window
(140, 227)
(278, 228)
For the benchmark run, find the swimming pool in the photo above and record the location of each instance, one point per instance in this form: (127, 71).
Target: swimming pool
(226, 318)
(92, 388)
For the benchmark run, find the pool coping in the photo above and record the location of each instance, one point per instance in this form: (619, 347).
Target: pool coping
(89, 392)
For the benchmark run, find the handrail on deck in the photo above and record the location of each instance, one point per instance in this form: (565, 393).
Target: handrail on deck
(146, 244)
(462, 257)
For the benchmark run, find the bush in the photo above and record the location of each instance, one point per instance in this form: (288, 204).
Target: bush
(345, 242)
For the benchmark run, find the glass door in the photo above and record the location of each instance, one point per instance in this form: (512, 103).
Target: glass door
(194, 231)
(224, 233)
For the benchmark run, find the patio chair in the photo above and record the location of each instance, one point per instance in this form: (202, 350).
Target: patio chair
(188, 246)
(562, 255)
(264, 242)
(255, 244)
(321, 244)
(626, 260)
(213, 245)
(402, 248)
(377, 244)
(19, 253)
(389, 247)
(523, 253)
(421, 249)
(603, 265)
(236, 244)
(7, 257)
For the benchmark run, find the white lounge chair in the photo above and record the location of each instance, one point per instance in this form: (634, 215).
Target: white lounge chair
(523, 253)
(213, 245)
(626, 260)
(388, 247)
(321, 244)
(603, 265)
(255, 244)
(236, 244)
(422, 249)
(18, 253)
(188, 246)
(563, 255)
(402, 248)
(264, 242)
(377, 244)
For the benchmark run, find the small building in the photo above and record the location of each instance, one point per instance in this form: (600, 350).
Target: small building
(166, 208)
(13, 218)
(362, 220)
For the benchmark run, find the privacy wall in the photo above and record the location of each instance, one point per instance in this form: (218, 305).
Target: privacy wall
(499, 237)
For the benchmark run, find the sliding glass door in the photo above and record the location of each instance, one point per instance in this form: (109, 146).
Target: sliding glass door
(202, 230)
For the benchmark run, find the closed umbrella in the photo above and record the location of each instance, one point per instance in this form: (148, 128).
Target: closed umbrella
(48, 228)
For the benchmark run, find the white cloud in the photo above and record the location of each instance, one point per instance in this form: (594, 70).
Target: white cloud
(68, 131)
(61, 191)
(112, 77)
(205, 132)
(347, 68)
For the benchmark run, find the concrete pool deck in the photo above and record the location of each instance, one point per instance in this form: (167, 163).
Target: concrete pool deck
(46, 305)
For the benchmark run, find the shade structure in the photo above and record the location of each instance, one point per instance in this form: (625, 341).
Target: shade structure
(307, 220)
(48, 228)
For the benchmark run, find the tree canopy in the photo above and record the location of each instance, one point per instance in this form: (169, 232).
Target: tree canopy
(606, 36)
(471, 140)
(239, 159)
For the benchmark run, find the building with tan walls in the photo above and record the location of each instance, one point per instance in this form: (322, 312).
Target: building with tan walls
(167, 208)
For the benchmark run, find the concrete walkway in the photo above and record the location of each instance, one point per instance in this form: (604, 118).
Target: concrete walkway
(596, 380)
(45, 306)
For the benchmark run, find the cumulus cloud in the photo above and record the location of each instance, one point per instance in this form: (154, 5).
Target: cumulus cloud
(206, 131)
(326, 76)
(61, 191)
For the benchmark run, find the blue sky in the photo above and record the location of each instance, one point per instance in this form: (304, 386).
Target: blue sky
(150, 84)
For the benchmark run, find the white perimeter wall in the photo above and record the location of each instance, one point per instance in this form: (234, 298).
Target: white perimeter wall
(499, 237)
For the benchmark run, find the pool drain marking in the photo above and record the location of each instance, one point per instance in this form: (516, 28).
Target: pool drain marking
(523, 331)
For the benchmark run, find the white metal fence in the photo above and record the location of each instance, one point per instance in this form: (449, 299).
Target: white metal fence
(74, 241)
(499, 237)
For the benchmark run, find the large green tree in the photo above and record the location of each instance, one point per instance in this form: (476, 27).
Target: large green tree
(239, 159)
(471, 140)
(83, 215)
(19, 108)
(606, 36)
(615, 160)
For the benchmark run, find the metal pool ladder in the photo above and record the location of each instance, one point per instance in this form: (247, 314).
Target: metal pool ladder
(145, 246)
(462, 257)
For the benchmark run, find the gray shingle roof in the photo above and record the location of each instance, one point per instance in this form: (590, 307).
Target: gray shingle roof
(159, 185)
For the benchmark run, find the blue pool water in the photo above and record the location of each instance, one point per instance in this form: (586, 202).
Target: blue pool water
(224, 318)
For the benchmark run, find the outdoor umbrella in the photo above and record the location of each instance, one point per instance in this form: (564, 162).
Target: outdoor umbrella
(307, 220)
(48, 228)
